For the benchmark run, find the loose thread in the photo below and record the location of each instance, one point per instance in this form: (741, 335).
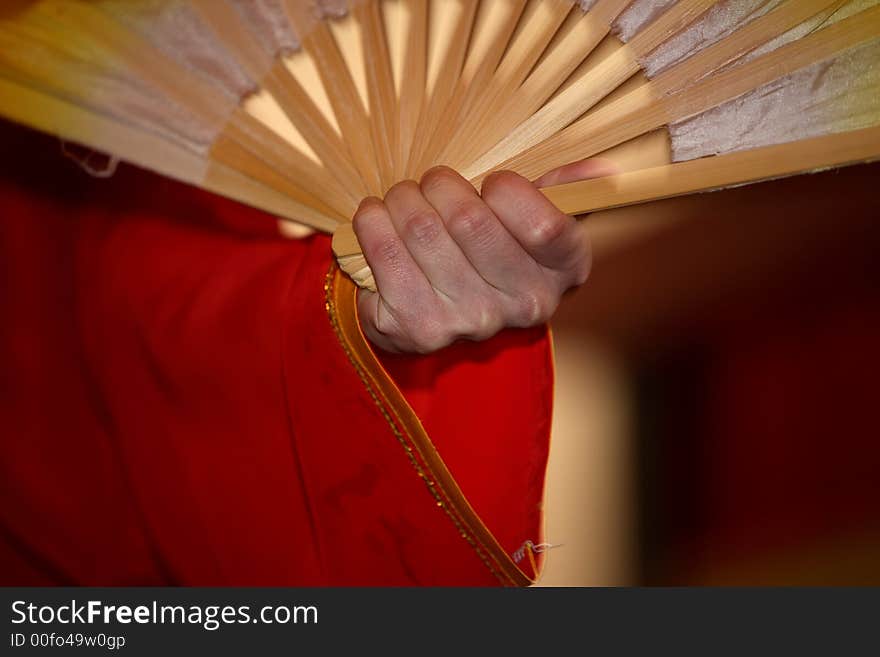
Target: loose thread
(83, 161)
(531, 548)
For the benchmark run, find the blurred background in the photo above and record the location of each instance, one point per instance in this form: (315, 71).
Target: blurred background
(717, 391)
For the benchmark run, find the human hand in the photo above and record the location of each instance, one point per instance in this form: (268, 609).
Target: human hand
(450, 264)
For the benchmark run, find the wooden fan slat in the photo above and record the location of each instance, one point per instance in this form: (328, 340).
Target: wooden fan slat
(231, 153)
(76, 123)
(494, 27)
(355, 146)
(380, 87)
(643, 111)
(452, 57)
(69, 120)
(62, 76)
(139, 56)
(43, 63)
(619, 64)
(413, 81)
(351, 115)
(535, 29)
(565, 108)
(233, 184)
(176, 82)
(293, 99)
(712, 173)
(347, 248)
(299, 170)
(310, 121)
(587, 89)
(493, 30)
(558, 63)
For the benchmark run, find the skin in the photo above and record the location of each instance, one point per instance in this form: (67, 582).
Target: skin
(452, 264)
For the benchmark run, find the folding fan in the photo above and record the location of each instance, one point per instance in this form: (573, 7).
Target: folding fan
(303, 107)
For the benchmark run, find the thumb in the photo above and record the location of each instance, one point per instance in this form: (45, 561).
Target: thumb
(581, 170)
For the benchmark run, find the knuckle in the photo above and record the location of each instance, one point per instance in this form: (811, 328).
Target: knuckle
(532, 308)
(423, 329)
(471, 222)
(581, 271)
(485, 322)
(575, 266)
(546, 229)
(429, 340)
(421, 227)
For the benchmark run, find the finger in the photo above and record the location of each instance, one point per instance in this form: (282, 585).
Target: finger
(380, 326)
(546, 234)
(493, 252)
(422, 231)
(398, 278)
(581, 170)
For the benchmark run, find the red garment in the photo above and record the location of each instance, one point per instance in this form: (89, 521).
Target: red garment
(177, 408)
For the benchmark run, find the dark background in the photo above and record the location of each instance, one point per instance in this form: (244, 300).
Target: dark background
(748, 321)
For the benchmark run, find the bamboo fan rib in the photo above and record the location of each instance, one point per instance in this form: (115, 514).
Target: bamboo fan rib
(303, 107)
(652, 47)
(649, 108)
(572, 44)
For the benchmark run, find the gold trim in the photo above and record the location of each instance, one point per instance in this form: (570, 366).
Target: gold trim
(341, 305)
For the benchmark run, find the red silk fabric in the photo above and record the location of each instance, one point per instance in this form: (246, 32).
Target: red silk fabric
(177, 409)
